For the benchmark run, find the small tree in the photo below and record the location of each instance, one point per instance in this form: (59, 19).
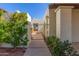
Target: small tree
(18, 29)
(2, 31)
(2, 12)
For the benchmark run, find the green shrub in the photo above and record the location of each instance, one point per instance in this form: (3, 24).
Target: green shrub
(18, 29)
(59, 48)
(14, 31)
(2, 30)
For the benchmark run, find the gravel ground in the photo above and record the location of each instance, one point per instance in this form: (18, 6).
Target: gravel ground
(12, 52)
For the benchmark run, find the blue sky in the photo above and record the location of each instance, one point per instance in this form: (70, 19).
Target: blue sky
(36, 10)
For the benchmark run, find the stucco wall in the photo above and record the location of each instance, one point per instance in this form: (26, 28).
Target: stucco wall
(63, 25)
(58, 23)
(46, 22)
(52, 22)
(75, 25)
(66, 26)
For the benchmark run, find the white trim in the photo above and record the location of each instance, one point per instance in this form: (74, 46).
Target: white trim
(64, 7)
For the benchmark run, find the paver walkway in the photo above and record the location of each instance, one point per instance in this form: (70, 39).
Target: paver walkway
(37, 47)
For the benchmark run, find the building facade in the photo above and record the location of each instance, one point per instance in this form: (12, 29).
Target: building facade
(64, 21)
(37, 25)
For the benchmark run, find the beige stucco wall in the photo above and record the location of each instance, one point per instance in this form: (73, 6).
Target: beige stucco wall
(58, 20)
(64, 23)
(52, 22)
(46, 23)
(64, 26)
(75, 25)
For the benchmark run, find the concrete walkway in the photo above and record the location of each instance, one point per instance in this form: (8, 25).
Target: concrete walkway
(37, 47)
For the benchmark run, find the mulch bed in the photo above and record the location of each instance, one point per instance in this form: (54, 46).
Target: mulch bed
(12, 51)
